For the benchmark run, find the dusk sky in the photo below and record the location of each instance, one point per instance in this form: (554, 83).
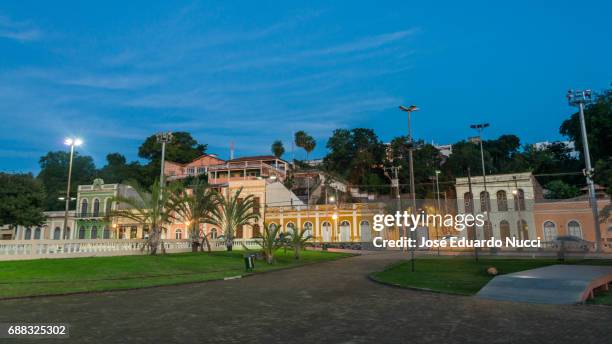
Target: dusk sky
(253, 72)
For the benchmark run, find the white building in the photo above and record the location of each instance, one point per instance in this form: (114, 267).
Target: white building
(52, 229)
(507, 204)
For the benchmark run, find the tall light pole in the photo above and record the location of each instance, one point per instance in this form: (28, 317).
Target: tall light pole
(480, 127)
(72, 142)
(395, 184)
(410, 109)
(439, 208)
(163, 138)
(579, 98)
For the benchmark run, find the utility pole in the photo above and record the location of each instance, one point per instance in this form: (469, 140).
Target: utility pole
(395, 184)
(439, 208)
(580, 98)
(410, 109)
(480, 127)
(163, 138)
(472, 211)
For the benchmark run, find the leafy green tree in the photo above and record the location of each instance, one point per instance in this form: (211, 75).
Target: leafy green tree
(117, 170)
(277, 148)
(558, 189)
(356, 155)
(22, 200)
(54, 176)
(297, 240)
(233, 211)
(195, 206)
(182, 149)
(269, 241)
(150, 208)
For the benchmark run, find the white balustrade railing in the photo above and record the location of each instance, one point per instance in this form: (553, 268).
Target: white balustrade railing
(34, 249)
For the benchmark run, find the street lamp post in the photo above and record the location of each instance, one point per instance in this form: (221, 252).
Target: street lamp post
(439, 208)
(72, 142)
(579, 98)
(410, 109)
(480, 127)
(163, 138)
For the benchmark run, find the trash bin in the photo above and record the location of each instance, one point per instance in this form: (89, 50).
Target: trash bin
(249, 262)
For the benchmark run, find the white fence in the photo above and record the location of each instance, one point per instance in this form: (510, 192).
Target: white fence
(35, 249)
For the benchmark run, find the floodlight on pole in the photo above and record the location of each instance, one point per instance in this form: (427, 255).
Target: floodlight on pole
(580, 98)
(72, 142)
(410, 109)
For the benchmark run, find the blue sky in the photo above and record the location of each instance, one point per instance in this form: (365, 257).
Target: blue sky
(116, 72)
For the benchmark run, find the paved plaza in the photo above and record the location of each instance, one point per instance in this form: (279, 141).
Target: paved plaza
(331, 302)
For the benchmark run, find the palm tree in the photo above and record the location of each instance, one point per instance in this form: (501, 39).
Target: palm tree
(297, 239)
(233, 211)
(270, 242)
(195, 206)
(309, 145)
(150, 208)
(278, 149)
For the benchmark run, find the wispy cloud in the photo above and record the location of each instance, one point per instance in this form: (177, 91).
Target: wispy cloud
(115, 82)
(19, 31)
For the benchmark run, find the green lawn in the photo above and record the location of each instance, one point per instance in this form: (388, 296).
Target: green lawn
(458, 275)
(58, 276)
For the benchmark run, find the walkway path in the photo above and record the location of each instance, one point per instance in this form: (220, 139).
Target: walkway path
(331, 302)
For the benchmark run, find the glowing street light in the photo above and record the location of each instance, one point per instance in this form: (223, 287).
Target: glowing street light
(72, 142)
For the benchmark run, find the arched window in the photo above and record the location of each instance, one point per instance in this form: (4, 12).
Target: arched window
(108, 207)
(37, 233)
(28, 234)
(256, 230)
(145, 232)
(84, 207)
(504, 229)
(94, 232)
(122, 234)
(96, 208)
(239, 232)
(344, 231)
(326, 231)
(467, 202)
(290, 227)
(213, 233)
(133, 232)
(365, 232)
(519, 199)
(487, 230)
(308, 228)
(67, 233)
(502, 201)
(523, 229)
(573, 229)
(106, 233)
(550, 231)
(178, 234)
(57, 233)
(485, 201)
(82, 233)
(272, 226)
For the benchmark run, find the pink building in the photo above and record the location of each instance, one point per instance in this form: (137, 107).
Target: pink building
(174, 170)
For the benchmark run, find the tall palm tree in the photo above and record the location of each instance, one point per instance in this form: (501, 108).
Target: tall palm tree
(278, 149)
(149, 208)
(309, 145)
(297, 239)
(233, 211)
(195, 206)
(270, 242)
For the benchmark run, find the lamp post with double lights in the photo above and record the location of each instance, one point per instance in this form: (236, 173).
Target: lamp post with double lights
(72, 142)
(410, 109)
(579, 98)
(480, 127)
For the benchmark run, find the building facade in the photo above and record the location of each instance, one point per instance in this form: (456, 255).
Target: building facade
(571, 217)
(507, 204)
